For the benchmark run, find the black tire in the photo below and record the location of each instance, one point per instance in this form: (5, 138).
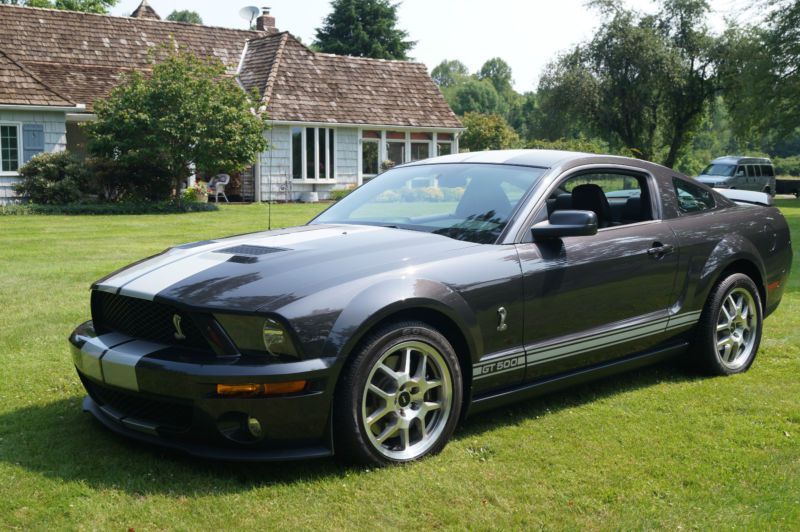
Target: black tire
(705, 352)
(352, 441)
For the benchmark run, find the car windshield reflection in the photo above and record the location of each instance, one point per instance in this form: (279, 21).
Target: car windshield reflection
(471, 202)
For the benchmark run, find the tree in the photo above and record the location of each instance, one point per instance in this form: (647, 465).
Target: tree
(498, 72)
(474, 96)
(186, 111)
(185, 15)
(449, 73)
(487, 132)
(363, 28)
(643, 82)
(761, 75)
(87, 6)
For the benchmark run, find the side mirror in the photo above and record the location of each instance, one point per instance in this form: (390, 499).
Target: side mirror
(566, 223)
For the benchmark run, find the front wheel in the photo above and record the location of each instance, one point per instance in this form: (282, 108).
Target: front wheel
(399, 398)
(729, 331)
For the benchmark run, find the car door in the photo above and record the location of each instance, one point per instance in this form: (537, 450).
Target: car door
(591, 299)
(740, 178)
(753, 177)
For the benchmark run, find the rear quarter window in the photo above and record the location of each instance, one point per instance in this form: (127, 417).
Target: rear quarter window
(692, 198)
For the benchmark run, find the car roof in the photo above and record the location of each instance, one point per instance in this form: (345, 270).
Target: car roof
(539, 158)
(740, 159)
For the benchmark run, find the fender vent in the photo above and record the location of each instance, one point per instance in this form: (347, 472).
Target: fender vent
(252, 251)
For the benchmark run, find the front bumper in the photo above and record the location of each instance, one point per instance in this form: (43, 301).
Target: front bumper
(153, 393)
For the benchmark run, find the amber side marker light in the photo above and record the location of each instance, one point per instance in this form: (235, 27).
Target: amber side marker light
(252, 390)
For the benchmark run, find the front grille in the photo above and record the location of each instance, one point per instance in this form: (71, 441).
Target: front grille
(172, 415)
(143, 319)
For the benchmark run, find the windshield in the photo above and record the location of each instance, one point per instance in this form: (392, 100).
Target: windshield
(470, 202)
(719, 169)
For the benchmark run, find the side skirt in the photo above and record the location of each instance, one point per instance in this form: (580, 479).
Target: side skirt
(551, 384)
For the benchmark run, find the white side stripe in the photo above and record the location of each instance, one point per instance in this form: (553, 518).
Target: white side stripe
(534, 354)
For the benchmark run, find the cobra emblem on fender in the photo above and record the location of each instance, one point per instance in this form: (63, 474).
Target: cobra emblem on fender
(176, 322)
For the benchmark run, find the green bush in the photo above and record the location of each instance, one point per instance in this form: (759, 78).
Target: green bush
(787, 165)
(116, 180)
(195, 194)
(336, 195)
(53, 179)
(123, 207)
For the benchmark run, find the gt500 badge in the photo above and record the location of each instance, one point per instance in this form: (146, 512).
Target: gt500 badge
(499, 366)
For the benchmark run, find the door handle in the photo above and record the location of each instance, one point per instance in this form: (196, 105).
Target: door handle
(660, 250)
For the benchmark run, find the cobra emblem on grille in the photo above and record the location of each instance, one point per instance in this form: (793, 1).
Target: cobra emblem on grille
(176, 322)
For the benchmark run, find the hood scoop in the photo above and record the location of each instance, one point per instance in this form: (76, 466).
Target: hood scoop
(252, 251)
(248, 254)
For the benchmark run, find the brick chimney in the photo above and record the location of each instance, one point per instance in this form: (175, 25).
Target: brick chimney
(266, 22)
(145, 11)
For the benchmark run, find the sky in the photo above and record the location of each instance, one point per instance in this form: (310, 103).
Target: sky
(527, 34)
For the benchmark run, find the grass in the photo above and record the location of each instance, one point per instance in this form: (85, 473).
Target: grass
(657, 448)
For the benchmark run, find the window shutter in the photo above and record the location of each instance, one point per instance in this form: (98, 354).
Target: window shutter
(32, 140)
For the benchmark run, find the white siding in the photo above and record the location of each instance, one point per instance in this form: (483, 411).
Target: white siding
(347, 157)
(55, 139)
(276, 164)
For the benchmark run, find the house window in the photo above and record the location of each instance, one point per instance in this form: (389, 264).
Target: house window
(420, 146)
(396, 152)
(9, 148)
(297, 153)
(444, 144)
(313, 153)
(369, 157)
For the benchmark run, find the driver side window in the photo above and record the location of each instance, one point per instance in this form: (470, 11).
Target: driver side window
(616, 198)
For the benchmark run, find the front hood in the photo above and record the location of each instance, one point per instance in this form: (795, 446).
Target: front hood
(268, 270)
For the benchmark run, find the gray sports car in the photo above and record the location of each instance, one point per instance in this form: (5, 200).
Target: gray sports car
(438, 289)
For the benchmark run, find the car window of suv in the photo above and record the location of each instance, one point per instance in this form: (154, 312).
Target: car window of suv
(616, 198)
(692, 198)
(767, 170)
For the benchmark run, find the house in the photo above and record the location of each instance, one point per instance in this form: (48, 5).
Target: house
(332, 119)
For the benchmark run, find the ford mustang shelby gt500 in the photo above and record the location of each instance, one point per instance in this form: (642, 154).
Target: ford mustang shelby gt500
(439, 288)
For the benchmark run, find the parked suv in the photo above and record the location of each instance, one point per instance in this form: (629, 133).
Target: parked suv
(745, 173)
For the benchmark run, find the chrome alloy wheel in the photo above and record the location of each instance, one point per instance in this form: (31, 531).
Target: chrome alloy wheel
(407, 400)
(737, 328)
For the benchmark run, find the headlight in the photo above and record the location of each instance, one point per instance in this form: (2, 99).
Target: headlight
(258, 335)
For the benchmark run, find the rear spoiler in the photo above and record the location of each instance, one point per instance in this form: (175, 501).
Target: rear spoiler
(748, 197)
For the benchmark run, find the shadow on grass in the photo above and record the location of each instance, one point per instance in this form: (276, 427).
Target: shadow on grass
(59, 441)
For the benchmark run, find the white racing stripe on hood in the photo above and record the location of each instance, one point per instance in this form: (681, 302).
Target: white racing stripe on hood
(147, 279)
(149, 284)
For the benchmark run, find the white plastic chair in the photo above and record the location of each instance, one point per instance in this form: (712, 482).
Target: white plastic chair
(217, 186)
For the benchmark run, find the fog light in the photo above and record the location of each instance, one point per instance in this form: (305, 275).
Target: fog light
(254, 426)
(252, 390)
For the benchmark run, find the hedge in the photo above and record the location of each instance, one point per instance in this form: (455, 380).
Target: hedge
(164, 207)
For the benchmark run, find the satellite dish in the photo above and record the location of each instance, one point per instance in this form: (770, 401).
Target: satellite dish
(249, 13)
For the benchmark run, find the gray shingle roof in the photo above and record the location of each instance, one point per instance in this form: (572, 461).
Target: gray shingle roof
(56, 56)
(298, 84)
(21, 87)
(81, 56)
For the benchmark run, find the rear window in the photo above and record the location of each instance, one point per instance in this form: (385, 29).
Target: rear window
(766, 169)
(692, 198)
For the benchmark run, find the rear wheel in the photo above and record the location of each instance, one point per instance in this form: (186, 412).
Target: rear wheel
(729, 332)
(399, 398)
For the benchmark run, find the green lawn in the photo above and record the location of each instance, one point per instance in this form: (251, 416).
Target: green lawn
(655, 448)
